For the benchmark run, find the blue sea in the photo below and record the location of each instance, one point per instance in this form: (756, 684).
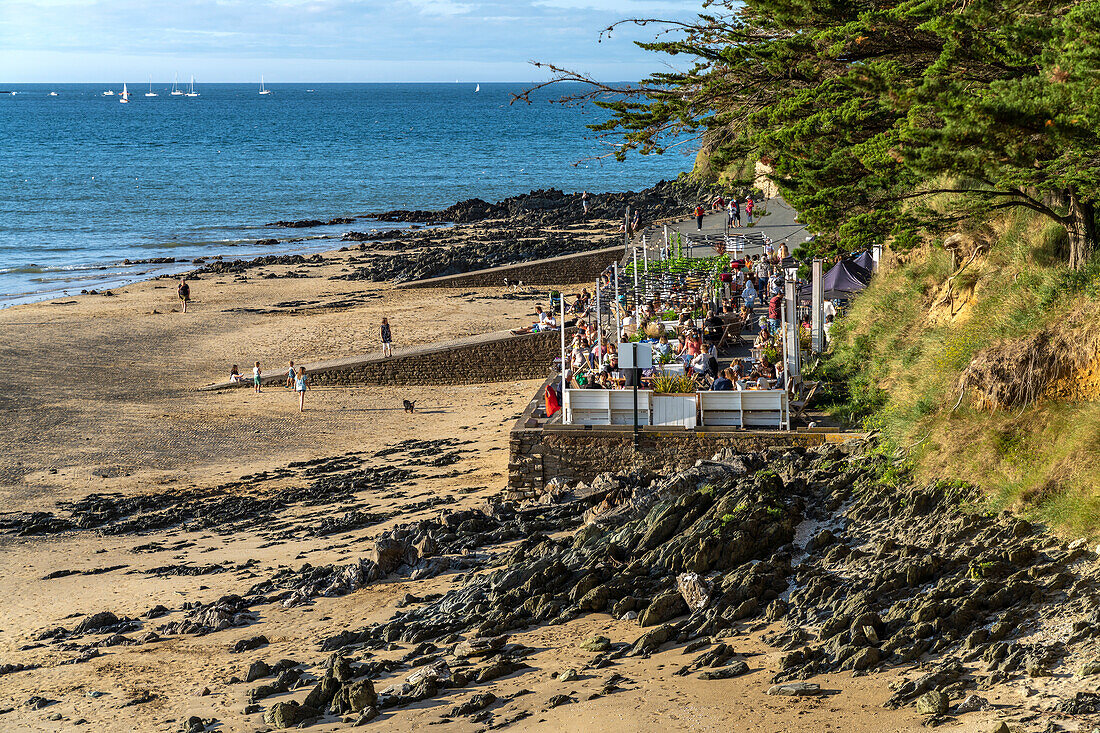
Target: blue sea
(87, 182)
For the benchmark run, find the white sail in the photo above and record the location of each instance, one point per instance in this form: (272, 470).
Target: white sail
(477, 88)
(151, 93)
(176, 91)
(125, 96)
(263, 89)
(192, 93)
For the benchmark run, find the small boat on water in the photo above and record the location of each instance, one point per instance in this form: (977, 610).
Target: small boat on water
(263, 89)
(53, 94)
(124, 98)
(192, 93)
(477, 88)
(176, 91)
(109, 93)
(151, 93)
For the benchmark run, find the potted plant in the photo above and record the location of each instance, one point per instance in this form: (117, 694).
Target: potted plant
(674, 401)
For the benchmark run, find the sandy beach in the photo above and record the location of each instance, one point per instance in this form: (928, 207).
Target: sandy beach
(102, 399)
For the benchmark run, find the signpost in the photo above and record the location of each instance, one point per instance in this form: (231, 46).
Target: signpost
(635, 357)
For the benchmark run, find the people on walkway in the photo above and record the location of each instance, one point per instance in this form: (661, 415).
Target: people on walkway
(749, 206)
(183, 292)
(774, 312)
(256, 374)
(699, 213)
(749, 295)
(387, 339)
(301, 384)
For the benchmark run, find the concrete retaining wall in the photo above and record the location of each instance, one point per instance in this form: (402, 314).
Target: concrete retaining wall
(497, 357)
(584, 267)
(504, 359)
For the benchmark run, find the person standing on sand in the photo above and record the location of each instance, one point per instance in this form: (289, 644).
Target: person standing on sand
(699, 212)
(301, 384)
(387, 339)
(183, 290)
(290, 376)
(256, 373)
(584, 201)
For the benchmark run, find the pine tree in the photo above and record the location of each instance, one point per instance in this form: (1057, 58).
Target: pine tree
(863, 110)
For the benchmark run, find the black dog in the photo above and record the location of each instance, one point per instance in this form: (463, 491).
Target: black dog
(409, 406)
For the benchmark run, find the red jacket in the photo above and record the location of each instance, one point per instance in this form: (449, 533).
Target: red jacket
(773, 306)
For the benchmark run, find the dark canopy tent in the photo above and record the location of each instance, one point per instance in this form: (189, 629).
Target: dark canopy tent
(864, 260)
(842, 282)
(845, 280)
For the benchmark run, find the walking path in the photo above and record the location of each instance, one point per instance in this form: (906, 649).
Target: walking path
(779, 224)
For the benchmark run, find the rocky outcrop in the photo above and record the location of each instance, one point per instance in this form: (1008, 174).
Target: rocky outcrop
(552, 207)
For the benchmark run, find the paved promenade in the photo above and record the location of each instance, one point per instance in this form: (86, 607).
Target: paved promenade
(779, 223)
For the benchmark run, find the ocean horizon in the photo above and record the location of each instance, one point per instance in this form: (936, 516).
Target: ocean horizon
(89, 183)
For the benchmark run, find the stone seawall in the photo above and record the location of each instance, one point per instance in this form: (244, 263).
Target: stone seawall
(501, 359)
(495, 357)
(537, 454)
(583, 267)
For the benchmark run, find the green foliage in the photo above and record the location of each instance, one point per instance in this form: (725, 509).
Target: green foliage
(673, 384)
(865, 110)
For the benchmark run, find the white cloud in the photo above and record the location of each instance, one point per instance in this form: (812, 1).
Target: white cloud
(444, 8)
(622, 7)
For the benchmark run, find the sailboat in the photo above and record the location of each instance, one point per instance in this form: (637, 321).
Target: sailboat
(192, 93)
(151, 93)
(176, 91)
(263, 89)
(477, 88)
(125, 96)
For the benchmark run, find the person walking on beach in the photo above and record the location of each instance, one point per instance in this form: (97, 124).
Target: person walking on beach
(301, 384)
(290, 376)
(699, 212)
(183, 290)
(387, 339)
(584, 201)
(256, 373)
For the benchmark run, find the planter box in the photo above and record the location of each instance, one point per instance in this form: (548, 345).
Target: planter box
(675, 410)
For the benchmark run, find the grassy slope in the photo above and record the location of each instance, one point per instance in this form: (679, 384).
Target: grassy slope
(900, 354)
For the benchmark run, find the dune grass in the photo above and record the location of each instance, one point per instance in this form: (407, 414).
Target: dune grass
(898, 352)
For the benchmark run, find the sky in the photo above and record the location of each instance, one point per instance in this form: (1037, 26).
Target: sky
(323, 40)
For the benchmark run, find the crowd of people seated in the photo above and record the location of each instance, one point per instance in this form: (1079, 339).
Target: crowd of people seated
(687, 325)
